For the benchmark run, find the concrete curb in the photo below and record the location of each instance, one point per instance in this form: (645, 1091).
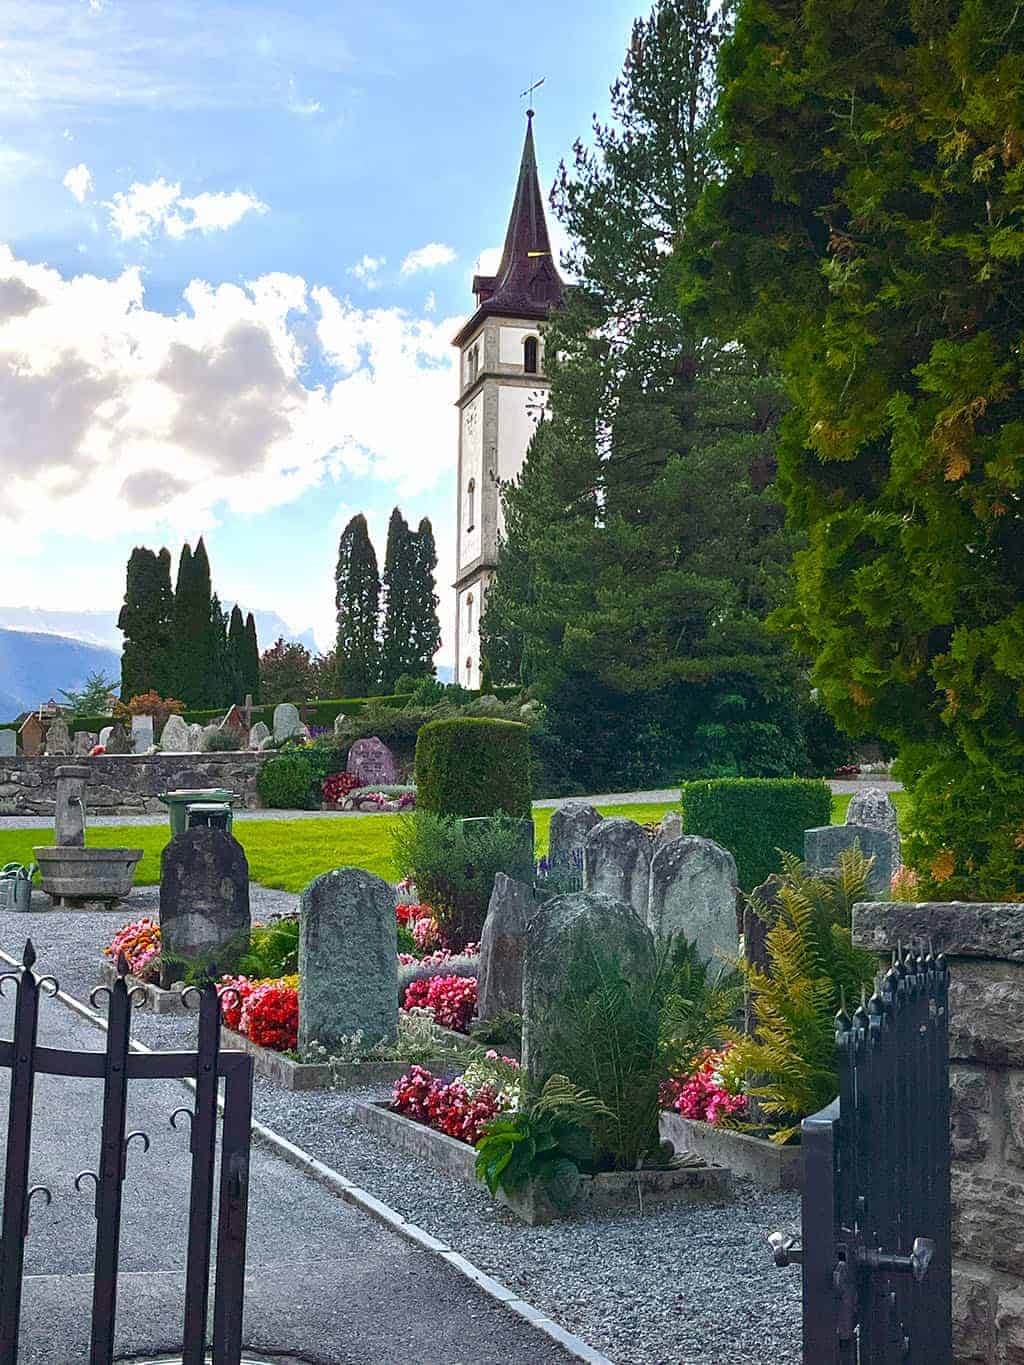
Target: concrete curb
(375, 1208)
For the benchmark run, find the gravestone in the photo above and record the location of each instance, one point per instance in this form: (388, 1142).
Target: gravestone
(142, 733)
(235, 720)
(570, 825)
(83, 742)
(105, 735)
(118, 741)
(693, 893)
(823, 846)
(33, 736)
(175, 737)
(8, 743)
(259, 732)
(58, 738)
(339, 724)
(671, 828)
(617, 862)
(503, 947)
(286, 720)
(371, 763)
(347, 951)
(69, 807)
(204, 904)
(875, 807)
(208, 732)
(195, 737)
(563, 931)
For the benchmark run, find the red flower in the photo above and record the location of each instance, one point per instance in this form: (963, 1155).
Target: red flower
(452, 999)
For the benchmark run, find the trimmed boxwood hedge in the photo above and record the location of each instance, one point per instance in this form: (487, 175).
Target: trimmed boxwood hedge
(754, 817)
(286, 782)
(473, 766)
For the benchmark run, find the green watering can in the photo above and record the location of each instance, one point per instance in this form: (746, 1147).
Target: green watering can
(16, 886)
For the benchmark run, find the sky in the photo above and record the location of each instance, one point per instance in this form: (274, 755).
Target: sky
(235, 244)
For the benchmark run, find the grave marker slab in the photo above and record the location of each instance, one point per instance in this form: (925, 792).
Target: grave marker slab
(58, 738)
(142, 733)
(286, 720)
(503, 947)
(175, 737)
(570, 825)
(8, 743)
(823, 846)
(617, 862)
(372, 763)
(204, 903)
(693, 893)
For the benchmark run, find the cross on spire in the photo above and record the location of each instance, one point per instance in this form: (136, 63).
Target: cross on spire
(528, 94)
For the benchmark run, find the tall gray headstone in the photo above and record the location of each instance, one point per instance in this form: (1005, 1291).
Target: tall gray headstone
(118, 741)
(69, 807)
(617, 862)
(204, 904)
(503, 947)
(286, 720)
(371, 763)
(563, 931)
(693, 893)
(823, 846)
(142, 733)
(259, 732)
(58, 738)
(175, 737)
(347, 951)
(570, 825)
(875, 807)
(8, 743)
(83, 742)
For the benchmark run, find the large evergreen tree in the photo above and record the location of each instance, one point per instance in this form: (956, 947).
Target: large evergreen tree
(220, 680)
(357, 599)
(146, 618)
(644, 546)
(396, 649)
(251, 660)
(237, 660)
(196, 663)
(867, 238)
(424, 626)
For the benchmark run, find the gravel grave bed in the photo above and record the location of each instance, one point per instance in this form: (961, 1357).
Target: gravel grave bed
(684, 1285)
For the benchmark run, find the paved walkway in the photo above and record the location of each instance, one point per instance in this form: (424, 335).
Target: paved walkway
(323, 1280)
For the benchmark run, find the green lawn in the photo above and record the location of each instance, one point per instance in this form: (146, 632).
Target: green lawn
(288, 854)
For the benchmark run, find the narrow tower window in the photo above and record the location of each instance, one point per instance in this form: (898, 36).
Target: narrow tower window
(471, 505)
(530, 355)
(469, 672)
(469, 614)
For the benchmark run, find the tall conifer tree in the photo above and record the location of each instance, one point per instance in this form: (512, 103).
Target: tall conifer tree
(357, 599)
(146, 618)
(237, 663)
(397, 654)
(251, 673)
(195, 650)
(424, 626)
(220, 684)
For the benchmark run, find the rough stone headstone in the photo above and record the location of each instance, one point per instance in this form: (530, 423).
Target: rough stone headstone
(372, 763)
(142, 733)
(617, 862)
(83, 742)
(875, 807)
(118, 741)
(105, 735)
(693, 893)
(570, 825)
(268, 743)
(204, 903)
(339, 724)
(58, 738)
(69, 808)
(823, 846)
(259, 732)
(33, 735)
(8, 743)
(347, 948)
(671, 828)
(175, 737)
(195, 738)
(503, 947)
(563, 930)
(286, 720)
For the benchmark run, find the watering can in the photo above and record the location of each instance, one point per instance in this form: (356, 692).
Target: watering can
(16, 886)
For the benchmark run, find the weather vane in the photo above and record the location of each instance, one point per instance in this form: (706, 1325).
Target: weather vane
(528, 93)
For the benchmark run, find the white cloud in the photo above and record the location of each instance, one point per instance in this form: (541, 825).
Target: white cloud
(430, 303)
(118, 418)
(366, 270)
(145, 210)
(78, 181)
(427, 257)
(488, 261)
(302, 108)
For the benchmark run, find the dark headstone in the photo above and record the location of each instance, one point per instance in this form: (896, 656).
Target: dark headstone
(503, 947)
(570, 825)
(204, 904)
(118, 741)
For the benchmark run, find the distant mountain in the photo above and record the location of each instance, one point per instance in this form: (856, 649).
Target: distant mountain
(35, 666)
(270, 628)
(100, 627)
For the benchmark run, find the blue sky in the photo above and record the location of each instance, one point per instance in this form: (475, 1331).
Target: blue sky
(235, 241)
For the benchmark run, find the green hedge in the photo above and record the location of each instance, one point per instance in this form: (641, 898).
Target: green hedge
(474, 766)
(754, 817)
(286, 782)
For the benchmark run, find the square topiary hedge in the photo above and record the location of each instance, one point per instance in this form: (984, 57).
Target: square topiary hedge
(473, 766)
(754, 817)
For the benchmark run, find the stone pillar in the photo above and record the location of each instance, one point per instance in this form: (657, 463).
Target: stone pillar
(503, 947)
(984, 944)
(69, 810)
(570, 825)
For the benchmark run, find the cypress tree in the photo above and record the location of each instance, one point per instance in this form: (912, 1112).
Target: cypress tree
(424, 627)
(251, 656)
(237, 669)
(195, 655)
(357, 599)
(397, 654)
(146, 619)
(220, 682)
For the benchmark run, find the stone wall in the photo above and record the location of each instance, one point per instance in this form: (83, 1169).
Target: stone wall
(984, 945)
(127, 784)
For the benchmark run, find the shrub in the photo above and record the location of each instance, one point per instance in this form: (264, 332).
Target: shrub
(273, 949)
(285, 782)
(474, 766)
(756, 817)
(227, 740)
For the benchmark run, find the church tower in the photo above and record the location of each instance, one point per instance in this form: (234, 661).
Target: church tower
(502, 395)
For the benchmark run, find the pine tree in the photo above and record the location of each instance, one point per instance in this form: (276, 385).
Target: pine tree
(146, 618)
(424, 626)
(399, 567)
(251, 656)
(237, 660)
(357, 599)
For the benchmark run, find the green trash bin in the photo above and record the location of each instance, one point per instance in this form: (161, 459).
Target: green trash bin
(213, 814)
(178, 802)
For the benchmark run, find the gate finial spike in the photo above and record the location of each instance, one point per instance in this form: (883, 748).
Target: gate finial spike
(122, 963)
(28, 957)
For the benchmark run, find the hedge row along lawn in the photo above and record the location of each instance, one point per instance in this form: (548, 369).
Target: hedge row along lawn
(288, 854)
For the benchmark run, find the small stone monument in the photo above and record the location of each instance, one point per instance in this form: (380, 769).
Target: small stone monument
(371, 763)
(259, 732)
(875, 808)
(339, 725)
(693, 893)
(570, 825)
(83, 742)
(204, 903)
(347, 951)
(671, 827)
(33, 736)
(175, 736)
(563, 930)
(617, 862)
(195, 738)
(235, 720)
(104, 738)
(8, 743)
(118, 741)
(503, 947)
(69, 808)
(58, 738)
(286, 720)
(823, 846)
(142, 733)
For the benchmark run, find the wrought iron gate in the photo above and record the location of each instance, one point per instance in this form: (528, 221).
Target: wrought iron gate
(875, 1236)
(25, 1059)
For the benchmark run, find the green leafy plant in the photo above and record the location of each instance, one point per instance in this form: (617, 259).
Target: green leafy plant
(504, 1030)
(228, 740)
(273, 949)
(286, 782)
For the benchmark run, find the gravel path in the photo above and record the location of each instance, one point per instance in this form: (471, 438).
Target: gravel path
(689, 1285)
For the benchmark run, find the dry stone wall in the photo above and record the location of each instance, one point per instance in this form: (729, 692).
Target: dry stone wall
(127, 784)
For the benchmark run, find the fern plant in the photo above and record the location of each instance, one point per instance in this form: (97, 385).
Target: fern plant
(812, 967)
(273, 949)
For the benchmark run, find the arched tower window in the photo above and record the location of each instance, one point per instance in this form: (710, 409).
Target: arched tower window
(530, 355)
(469, 614)
(471, 504)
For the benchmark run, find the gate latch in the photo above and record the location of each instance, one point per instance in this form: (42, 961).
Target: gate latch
(916, 1263)
(786, 1248)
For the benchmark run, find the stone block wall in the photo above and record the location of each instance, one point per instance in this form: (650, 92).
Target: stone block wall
(128, 784)
(984, 944)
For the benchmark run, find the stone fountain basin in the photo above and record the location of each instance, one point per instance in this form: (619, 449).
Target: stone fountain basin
(87, 873)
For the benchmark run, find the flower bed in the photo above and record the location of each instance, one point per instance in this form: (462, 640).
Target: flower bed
(712, 1093)
(139, 942)
(451, 999)
(267, 1012)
